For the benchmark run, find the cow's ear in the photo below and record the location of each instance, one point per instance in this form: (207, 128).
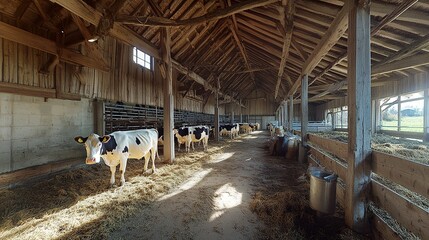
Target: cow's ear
(80, 139)
(104, 139)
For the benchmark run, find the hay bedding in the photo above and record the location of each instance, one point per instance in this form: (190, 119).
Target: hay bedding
(79, 205)
(284, 207)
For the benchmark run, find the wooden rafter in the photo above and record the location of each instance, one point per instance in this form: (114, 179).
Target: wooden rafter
(405, 63)
(404, 6)
(386, 20)
(22, 8)
(92, 47)
(197, 78)
(332, 35)
(92, 16)
(165, 22)
(34, 41)
(286, 12)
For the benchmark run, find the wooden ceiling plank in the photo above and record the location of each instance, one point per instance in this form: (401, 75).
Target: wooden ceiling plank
(287, 12)
(165, 22)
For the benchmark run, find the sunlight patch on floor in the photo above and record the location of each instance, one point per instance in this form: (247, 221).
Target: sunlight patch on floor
(225, 197)
(221, 157)
(190, 183)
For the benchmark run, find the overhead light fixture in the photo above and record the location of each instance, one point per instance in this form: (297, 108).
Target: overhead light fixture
(93, 39)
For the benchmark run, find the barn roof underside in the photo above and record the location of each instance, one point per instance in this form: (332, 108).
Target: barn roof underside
(264, 45)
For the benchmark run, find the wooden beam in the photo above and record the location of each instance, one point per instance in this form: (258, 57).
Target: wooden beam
(412, 48)
(92, 16)
(234, 30)
(359, 117)
(304, 120)
(332, 35)
(197, 78)
(290, 115)
(406, 63)
(21, 9)
(93, 46)
(286, 12)
(35, 41)
(168, 95)
(27, 90)
(165, 22)
(404, 6)
(299, 49)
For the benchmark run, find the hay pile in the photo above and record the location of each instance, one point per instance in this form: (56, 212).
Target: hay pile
(79, 205)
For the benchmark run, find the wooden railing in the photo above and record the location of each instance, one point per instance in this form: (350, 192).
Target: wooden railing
(411, 175)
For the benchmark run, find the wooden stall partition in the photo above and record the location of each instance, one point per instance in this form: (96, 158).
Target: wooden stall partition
(327, 161)
(381, 229)
(337, 148)
(406, 213)
(412, 175)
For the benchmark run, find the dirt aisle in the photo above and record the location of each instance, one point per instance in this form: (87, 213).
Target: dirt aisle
(214, 203)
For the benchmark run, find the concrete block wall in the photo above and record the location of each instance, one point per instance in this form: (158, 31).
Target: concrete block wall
(34, 131)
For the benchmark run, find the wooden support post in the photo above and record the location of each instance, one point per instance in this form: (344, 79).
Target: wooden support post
(376, 116)
(399, 113)
(168, 96)
(216, 116)
(232, 117)
(359, 119)
(285, 116)
(426, 116)
(304, 119)
(99, 123)
(290, 113)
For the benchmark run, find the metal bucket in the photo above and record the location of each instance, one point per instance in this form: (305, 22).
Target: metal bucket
(323, 187)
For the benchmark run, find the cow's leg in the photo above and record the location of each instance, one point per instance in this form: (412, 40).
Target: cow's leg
(154, 153)
(112, 176)
(146, 161)
(122, 167)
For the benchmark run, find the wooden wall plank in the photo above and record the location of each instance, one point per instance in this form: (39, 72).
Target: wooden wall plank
(337, 148)
(412, 175)
(407, 214)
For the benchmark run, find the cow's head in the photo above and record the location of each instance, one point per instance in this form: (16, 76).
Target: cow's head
(93, 145)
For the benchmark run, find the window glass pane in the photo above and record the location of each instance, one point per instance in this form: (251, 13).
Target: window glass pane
(412, 116)
(412, 96)
(142, 58)
(389, 118)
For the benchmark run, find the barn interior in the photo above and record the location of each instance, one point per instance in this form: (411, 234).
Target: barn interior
(350, 78)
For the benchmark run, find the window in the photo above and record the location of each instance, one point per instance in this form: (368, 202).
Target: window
(403, 113)
(340, 117)
(142, 58)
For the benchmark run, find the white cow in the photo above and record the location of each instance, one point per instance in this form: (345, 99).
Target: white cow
(117, 147)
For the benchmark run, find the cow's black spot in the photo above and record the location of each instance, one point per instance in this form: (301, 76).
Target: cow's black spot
(183, 131)
(198, 132)
(228, 127)
(138, 141)
(109, 146)
(125, 149)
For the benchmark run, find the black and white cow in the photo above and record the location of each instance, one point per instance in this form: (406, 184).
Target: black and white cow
(190, 134)
(117, 147)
